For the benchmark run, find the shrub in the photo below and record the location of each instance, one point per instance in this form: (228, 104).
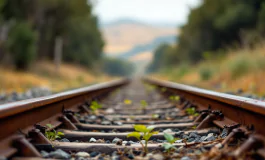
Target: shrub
(205, 73)
(239, 67)
(21, 44)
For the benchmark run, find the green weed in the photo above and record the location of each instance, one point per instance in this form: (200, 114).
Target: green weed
(143, 133)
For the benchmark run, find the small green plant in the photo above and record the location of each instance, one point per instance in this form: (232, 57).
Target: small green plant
(95, 106)
(155, 116)
(206, 73)
(143, 104)
(52, 134)
(170, 139)
(239, 67)
(163, 89)
(127, 101)
(174, 98)
(143, 133)
(192, 112)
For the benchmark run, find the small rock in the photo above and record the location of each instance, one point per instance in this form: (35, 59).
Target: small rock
(157, 156)
(168, 131)
(143, 141)
(131, 142)
(203, 138)
(193, 135)
(44, 154)
(93, 154)
(100, 141)
(82, 154)
(159, 141)
(224, 133)
(118, 123)
(178, 141)
(115, 140)
(106, 123)
(124, 142)
(219, 145)
(60, 154)
(92, 140)
(107, 141)
(110, 110)
(190, 140)
(198, 139)
(64, 140)
(178, 134)
(210, 137)
(185, 158)
(197, 152)
(119, 142)
(185, 136)
(93, 117)
(130, 156)
(128, 144)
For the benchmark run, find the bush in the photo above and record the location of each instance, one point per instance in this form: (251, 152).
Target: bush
(206, 73)
(117, 67)
(183, 69)
(239, 67)
(21, 45)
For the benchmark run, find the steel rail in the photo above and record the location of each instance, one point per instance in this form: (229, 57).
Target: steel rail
(245, 111)
(21, 116)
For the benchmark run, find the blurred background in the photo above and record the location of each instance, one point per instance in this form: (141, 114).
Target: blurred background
(48, 46)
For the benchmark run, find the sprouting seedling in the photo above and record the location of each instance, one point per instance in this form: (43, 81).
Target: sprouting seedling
(170, 139)
(174, 98)
(94, 106)
(143, 104)
(52, 134)
(163, 89)
(127, 101)
(155, 116)
(192, 111)
(143, 133)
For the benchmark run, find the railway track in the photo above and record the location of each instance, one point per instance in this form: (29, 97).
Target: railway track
(104, 121)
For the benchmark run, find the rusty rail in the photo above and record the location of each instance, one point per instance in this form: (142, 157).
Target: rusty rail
(245, 111)
(21, 116)
(22, 123)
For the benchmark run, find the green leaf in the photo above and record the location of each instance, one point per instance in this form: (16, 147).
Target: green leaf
(155, 116)
(60, 133)
(134, 134)
(150, 128)
(143, 103)
(49, 126)
(169, 138)
(140, 128)
(167, 146)
(127, 101)
(149, 135)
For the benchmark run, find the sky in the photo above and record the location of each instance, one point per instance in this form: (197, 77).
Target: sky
(169, 11)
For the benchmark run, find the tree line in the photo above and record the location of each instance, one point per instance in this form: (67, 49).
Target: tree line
(212, 26)
(33, 30)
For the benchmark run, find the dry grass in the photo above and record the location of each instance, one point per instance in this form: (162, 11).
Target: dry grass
(44, 74)
(240, 69)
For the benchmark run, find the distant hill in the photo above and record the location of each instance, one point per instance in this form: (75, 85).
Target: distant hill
(128, 38)
(132, 21)
(149, 47)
